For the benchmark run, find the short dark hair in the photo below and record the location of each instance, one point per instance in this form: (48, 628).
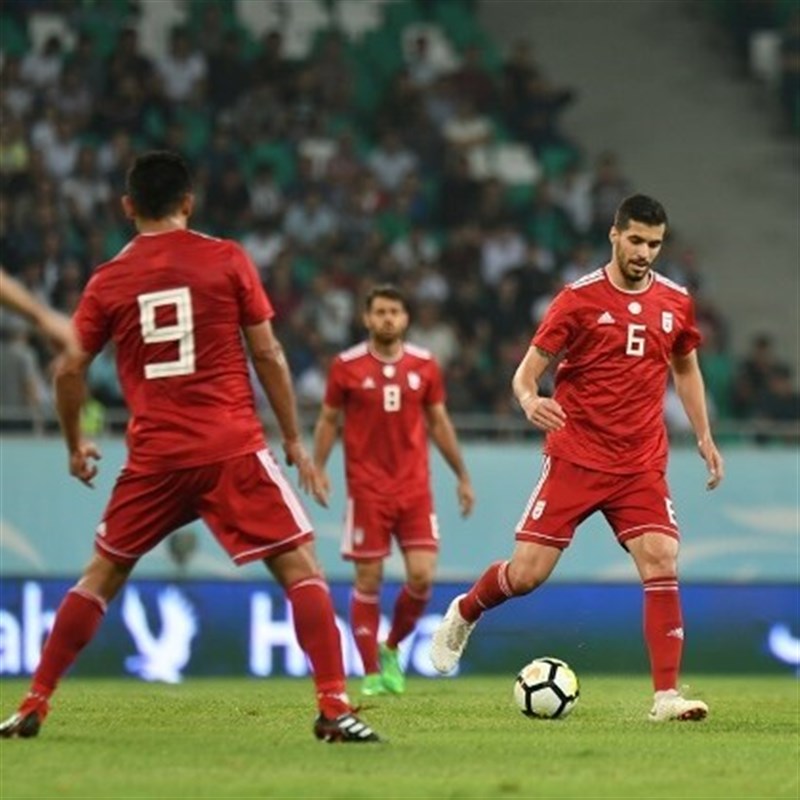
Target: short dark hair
(157, 183)
(639, 208)
(389, 292)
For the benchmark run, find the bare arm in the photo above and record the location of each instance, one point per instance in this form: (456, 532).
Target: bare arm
(70, 389)
(273, 374)
(444, 437)
(691, 391)
(49, 322)
(544, 412)
(326, 432)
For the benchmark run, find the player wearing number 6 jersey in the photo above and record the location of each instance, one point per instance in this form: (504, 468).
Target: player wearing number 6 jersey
(176, 303)
(391, 397)
(620, 330)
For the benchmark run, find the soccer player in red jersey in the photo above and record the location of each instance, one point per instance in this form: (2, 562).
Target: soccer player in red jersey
(620, 330)
(176, 304)
(391, 397)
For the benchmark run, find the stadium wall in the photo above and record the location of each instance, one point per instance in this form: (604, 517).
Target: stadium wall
(746, 531)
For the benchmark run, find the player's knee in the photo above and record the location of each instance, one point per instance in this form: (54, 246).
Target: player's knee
(658, 556)
(420, 583)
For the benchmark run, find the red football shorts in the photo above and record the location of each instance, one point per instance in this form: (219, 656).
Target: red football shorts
(246, 501)
(567, 494)
(371, 522)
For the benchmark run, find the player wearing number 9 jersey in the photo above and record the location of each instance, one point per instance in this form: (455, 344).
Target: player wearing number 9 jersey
(620, 331)
(179, 308)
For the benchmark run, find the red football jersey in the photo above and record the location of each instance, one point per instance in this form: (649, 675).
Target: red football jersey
(174, 304)
(385, 433)
(613, 377)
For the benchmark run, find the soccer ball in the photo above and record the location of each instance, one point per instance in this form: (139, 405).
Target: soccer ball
(546, 688)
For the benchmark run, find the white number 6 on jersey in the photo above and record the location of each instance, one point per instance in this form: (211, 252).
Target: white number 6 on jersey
(635, 344)
(181, 331)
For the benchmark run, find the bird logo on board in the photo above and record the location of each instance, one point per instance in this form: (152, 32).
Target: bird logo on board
(161, 657)
(666, 321)
(414, 381)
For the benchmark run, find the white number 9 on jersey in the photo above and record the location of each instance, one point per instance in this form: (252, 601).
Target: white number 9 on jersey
(181, 331)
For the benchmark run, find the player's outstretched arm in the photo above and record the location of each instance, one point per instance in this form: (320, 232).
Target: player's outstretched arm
(273, 374)
(50, 323)
(692, 393)
(70, 389)
(544, 412)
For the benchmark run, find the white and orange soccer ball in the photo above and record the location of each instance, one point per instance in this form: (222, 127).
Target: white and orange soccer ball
(546, 688)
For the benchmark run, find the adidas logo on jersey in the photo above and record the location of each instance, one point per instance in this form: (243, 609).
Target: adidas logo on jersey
(605, 319)
(368, 383)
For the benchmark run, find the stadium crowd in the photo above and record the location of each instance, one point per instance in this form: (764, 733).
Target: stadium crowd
(413, 153)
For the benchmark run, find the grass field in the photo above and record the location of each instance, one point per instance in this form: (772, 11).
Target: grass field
(448, 739)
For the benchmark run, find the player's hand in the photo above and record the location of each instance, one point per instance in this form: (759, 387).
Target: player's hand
(81, 463)
(466, 496)
(544, 412)
(311, 482)
(714, 462)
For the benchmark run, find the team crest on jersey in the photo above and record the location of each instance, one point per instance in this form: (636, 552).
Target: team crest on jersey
(538, 509)
(414, 380)
(667, 320)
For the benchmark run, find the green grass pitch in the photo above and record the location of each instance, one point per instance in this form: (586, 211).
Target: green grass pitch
(460, 738)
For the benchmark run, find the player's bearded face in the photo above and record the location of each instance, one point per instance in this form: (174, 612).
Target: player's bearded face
(636, 248)
(386, 320)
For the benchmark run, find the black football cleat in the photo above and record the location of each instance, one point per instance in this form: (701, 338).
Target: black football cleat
(345, 728)
(24, 725)
(27, 720)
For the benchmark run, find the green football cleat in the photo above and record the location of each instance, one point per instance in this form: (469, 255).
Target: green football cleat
(372, 685)
(393, 678)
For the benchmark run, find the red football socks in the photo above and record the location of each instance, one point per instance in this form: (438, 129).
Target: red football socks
(490, 590)
(365, 616)
(663, 630)
(408, 608)
(77, 620)
(316, 631)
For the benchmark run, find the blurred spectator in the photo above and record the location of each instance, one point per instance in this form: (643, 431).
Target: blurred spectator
(778, 401)
(415, 248)
(459, 192)
(228, 73)
(504, 249)
(536, 118)
(423, 67)
(754, 374)
(182, 69)
(430, 331)
(391, 161)
(266, 195)
(518, 69)
(311, 224)
(42, 69)
(86, 191)
(472, 82)
(23, 389)
(572, 190)
(18, 95)
(609, 189)
(264, 243)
